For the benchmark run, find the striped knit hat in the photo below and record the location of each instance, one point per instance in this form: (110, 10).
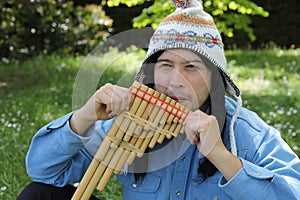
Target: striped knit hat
(190, 27)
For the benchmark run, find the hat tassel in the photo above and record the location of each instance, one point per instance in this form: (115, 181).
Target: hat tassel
(231, 133)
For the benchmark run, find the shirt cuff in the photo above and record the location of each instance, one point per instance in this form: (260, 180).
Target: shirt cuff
(253, 179)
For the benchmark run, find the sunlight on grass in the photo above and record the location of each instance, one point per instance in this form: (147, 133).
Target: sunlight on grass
(37, 91)
(270, 84)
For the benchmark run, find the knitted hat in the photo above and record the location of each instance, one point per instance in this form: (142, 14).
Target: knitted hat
(190, 27)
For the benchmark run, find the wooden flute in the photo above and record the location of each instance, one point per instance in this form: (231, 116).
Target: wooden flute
(151, 118)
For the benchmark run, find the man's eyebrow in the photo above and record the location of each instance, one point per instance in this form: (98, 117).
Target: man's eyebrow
(188, 61)
(197, 60)
(163, 60)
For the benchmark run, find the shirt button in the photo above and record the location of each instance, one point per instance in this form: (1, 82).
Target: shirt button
(183, 158)
(256, 173)
(134, 185)
(177, 192)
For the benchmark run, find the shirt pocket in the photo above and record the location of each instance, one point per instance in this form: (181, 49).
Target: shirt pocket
(209, 189)
(147, 188)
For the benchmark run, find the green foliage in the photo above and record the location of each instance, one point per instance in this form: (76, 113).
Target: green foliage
(154, 14)
(31, 27)
(37, 91)
(229, 15)
(234, 15)
(129, 3)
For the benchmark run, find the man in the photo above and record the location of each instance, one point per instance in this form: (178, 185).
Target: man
(226, 152)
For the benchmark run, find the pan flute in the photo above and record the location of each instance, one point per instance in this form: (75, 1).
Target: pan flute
(151, 118)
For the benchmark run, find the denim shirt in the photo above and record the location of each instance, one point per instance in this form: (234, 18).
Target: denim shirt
(271, 170)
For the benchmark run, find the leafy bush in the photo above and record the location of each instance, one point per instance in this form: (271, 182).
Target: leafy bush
(30, 27)
(229, 15)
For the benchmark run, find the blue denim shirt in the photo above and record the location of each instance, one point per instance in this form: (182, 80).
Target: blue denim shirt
(270, 168)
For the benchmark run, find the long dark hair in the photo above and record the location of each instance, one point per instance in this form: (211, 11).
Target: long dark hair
(217, 107)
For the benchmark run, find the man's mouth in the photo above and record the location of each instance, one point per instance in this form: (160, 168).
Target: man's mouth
(178, 98)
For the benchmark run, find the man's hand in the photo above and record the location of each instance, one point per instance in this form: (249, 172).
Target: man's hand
(107, 102)
(203, 130)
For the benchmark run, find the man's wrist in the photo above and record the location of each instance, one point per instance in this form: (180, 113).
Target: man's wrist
(79, 124)
(226, 163)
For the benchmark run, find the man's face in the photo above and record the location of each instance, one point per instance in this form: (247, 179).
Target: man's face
(182, 75)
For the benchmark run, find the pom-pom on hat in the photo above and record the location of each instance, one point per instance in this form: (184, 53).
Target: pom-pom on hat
(190, 27)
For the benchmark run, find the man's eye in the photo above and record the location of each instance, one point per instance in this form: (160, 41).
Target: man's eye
(191, 67)
(165, 65)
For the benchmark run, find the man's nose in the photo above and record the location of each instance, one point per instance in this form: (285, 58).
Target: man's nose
(177, 79)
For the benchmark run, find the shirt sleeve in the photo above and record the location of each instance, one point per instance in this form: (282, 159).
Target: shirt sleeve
(57, 155)
(274, 173)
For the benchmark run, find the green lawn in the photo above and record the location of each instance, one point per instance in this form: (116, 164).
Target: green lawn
(39, 90)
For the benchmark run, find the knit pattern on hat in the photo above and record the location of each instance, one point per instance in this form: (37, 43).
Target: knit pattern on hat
(190, 36)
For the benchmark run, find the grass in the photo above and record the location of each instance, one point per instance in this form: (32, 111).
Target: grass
(270, 83)
(42, 89)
